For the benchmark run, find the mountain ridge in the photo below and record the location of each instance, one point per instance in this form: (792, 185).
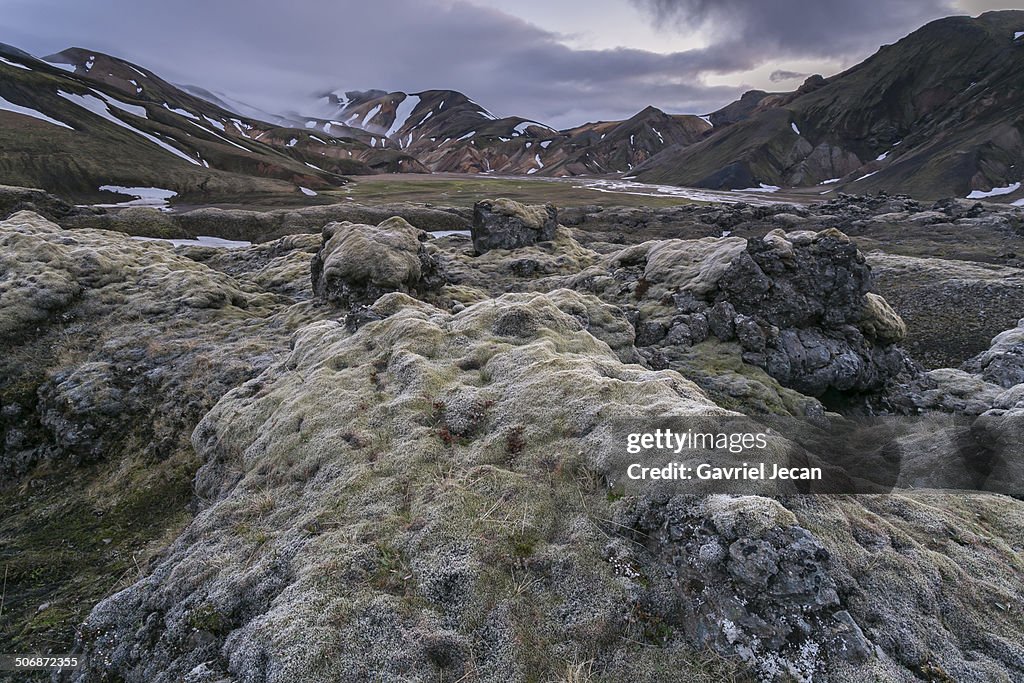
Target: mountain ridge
(933, 115)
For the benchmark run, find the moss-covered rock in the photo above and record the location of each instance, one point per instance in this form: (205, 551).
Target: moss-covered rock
(358, 263)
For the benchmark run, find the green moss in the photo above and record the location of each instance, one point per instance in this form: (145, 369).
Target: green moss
(207, 618)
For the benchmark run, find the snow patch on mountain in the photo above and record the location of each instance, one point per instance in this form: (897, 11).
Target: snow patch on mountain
(181, 112)
(102, 109)
(402, 113)
(14, 64)
(994, 192)
(6, 105)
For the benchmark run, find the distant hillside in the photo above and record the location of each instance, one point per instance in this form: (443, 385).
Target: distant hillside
(940, 113)
(79, 120)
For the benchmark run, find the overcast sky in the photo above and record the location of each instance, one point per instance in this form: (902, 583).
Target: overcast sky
(562, 62)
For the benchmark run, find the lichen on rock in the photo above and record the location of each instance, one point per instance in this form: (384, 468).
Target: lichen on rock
(358, 263)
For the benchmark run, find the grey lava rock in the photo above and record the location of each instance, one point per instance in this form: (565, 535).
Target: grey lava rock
(505, 224)
(356, 264)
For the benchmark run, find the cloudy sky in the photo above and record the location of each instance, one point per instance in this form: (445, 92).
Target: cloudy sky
(563, 62)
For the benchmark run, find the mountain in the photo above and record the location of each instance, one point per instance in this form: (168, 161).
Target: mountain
(449, 132)
(939, 113)
(79, 120)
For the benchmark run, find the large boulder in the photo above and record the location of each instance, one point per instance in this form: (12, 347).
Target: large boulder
(505, 224)
(356, 264)
(798, 305)
(1003, 362)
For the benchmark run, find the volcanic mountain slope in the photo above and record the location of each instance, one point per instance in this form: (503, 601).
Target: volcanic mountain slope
(82, 120)
(449, 132)
(937, 114)
(116, 123)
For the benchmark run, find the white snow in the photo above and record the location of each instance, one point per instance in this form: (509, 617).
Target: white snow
(102, 109)
(123, 106)
(706, 119)
(1017, 35)
(310, 124)
(242, 127)
(468, 135)
(216, 124)
(486, 113)
(218, 136)
(313, 137)
(182, 112)
(292, 142)
(89, 63)
(520, 128)
(656, 132)
(373, 142)
(883, 156)
(138, 88)
(314, 167)
(144, 196)
(865, 176)
(631, 140)
(795, 128)
(403, 111)
(14, 64)
(370, 114)
(201, 241)
(623, 186)
(62, 65)
(994, 192)
(18, 109)
(762, 188)
(830, 181)
(137, 71)
(446, 233)
(545, 144)
(1019, 202)
(306, 191)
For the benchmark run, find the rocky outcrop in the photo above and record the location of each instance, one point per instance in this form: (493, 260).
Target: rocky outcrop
(505, 224)
(422, 486)
(356, 264)
(398, 500)
(795, 304)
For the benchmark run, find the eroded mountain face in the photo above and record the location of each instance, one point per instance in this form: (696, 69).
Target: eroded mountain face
(937, 114)
(399, 454)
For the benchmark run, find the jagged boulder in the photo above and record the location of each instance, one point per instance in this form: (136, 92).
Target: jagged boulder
(505, 224)
(356, 264)
(1003, 362)
(798, 305)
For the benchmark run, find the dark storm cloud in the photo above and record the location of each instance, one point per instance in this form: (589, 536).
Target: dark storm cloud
(798, 28)
(780, 76)
(276, 54)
